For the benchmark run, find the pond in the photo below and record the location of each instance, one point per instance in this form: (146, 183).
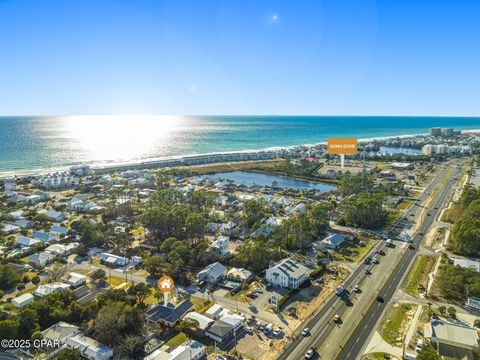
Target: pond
(253, 178)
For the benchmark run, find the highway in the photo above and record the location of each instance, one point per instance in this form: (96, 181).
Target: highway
(358, 339)
(321, 324)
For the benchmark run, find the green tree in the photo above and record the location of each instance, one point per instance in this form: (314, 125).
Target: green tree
(254, 211)
(366, 211)
(362, 183)
(154, 265)
(8, 277)
(141, 291)
(116, 320)
(428, 352)
(69, 354)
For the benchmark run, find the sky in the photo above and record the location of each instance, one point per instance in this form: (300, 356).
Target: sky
(240, 57)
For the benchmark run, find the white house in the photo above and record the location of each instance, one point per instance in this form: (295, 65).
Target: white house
(76, 280)
(287, 273)
(333, 241)
(113, 260)
(189, 350)
(48, 289)
(203, 321)
(61, 331)
(227, 229)
(89, 348)
(23, 300)
(212, 273)
(41, 258)
(239, 274)
(221, 245)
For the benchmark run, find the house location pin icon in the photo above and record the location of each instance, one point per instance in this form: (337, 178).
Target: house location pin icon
(165, 284)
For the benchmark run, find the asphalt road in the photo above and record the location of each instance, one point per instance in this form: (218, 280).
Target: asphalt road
(355, 343)
(320, 323)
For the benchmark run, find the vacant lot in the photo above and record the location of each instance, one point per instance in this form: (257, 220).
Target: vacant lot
(418, 276)
(395, 321)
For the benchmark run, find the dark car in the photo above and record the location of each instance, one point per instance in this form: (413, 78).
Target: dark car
(367, 260)
(411, 247)
(380, 299)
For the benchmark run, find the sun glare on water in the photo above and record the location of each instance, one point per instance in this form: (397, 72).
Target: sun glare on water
(122, 138)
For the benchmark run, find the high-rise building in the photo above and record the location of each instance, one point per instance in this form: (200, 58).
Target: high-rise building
(435, 132)
(447, 132)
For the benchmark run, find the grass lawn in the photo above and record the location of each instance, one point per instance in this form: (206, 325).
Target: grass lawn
(361, 251)
(177, 339)
(452, 214)
(419, 274)
(391, 329)
(199, 305)
(115, 280)
(447, 176)
(404, 204)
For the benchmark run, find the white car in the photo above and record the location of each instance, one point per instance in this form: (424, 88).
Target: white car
(277, 332)
(305, 332)
(418, 348)
(309, 354)
(356, 288)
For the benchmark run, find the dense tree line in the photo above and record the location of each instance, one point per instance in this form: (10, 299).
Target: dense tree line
(171, 214)
(456, 283)
(365, 211)
(466, 231)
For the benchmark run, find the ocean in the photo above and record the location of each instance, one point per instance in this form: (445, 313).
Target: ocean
(29, 144)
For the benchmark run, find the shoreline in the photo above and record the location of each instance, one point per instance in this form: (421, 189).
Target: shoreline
(150, 162)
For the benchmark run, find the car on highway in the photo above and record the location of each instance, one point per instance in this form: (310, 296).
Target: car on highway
(380, 299)
(356, 289)
(367, 260)
(340, 290)
(411, 247)
(381, 252)
(428, 214)
(375, 260)
(336, 318)
(305, 332)
(309, 354)
(368, 272)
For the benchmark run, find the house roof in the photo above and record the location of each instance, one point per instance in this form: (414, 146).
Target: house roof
(239, 273)
(334, 240)
(290, 267)
(22, 298)
(203, 321)
(59, 229)
(220, 328)
(43, 236)
(60, 331)
(214, 270)
(170, 313)
(449, 332)
(90, 347)
(26, 241)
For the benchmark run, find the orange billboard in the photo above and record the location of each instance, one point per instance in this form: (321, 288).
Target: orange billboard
(342, 146)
